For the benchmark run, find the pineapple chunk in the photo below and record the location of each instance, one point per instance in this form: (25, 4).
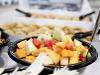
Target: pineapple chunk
(22, 44)
(67, 53)
(21, 53)
(74, 60)
(54, 56)
(69, 40)
(77, 43)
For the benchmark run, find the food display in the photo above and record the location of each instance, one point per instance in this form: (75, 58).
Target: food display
(19, 28)
(25, 29)
(60, 17)
(34, 29)
(43, 41)
(59, 48)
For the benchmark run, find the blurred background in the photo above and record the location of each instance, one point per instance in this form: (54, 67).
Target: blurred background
(70, 4)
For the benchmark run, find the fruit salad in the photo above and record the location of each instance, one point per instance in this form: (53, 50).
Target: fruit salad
(59, 48)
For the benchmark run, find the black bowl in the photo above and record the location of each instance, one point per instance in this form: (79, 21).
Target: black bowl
(92, 50)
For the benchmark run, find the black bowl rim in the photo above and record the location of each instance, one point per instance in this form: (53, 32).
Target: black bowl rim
(71, 66)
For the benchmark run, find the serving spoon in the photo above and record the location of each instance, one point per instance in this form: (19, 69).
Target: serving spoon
(95, 28)
(94, 32)
(27, 14)
(81, 35)
(86, 15)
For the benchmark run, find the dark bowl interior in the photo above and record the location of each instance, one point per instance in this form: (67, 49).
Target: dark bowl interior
(6, 37)
(92, 50)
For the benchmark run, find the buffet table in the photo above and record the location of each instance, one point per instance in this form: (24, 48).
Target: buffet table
(7, 62)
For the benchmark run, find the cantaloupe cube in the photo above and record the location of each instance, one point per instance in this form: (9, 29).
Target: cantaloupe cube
(54, 56)
(38, 51)
(17, 49)
(57, 49)
(21, 53)
(30, 58)
(81, 49)
(61, 44)
(67, 53)
(43, 49)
